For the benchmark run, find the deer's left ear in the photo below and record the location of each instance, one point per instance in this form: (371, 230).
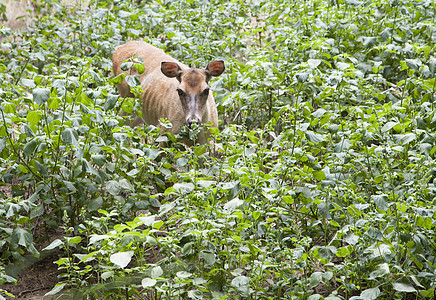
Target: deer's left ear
(170, 69)
(215, 68)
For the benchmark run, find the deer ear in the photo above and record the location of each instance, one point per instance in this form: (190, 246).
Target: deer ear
(170, 69)
(215, 68)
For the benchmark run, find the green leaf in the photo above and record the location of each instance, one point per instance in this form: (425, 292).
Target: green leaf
(28, 131)
(242, 285)
(69, 138)
(41, 95)
(388, 126)
(22, 237)
(95, 204)
(148, 282)
(30, 147)
(315, 137)
(233, 204)
(56, 289)
(209, 257)
(383, 269)
(370, 294)
(315, 279)
(413, 64)
(139, 67)
(111, 101)
(313, 63)
(122, 259)
(199, 150)
(403, 287)
(33, 117)
(2, 144)
(432, 65)
(381, 202)
(407, 138)
(184, 187)
(133, 80)
(113, 187)
(319, 175)
(156, 272)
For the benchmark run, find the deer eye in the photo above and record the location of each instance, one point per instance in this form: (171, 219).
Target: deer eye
(180, 92)
(206, 92)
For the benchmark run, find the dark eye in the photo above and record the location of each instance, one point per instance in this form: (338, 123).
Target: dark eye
(180, 92)
(206, 92)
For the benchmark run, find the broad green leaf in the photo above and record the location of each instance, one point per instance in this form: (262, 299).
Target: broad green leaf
(28, 83)
(148, 282)
(388, 126)
(381, 202)
(28, 131)
(383, 269)
(315, 279)
(242, 285)
(55, 244)
(208, 257)
(233, 204)
(184, 187)
(56, 289)
(199, 150)
(22, 237)
(318, 175)
(69, 138)
(122, 259)
(30, 147)
(33, 117)
(432, 65)
(313, 63)
(403, 287)
(133, 80)
(407, 138)
(113, 187)
(41, 95)
(370, 294)
(2, 144)
(156, 272)
(183, 274)
(139, 67)
(414, 64)
(95, 203)
(315, 137)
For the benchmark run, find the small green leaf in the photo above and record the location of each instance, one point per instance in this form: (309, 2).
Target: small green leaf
(315, 137)
(370, 294)
(403, 287)
(122, 259)
(41, 95)
(148, 282)
(133, 80)
(209, 257)
(242, 285)
(30, 147)
(199, 150)
(33, 117)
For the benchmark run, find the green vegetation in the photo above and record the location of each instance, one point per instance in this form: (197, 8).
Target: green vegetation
(321, 183)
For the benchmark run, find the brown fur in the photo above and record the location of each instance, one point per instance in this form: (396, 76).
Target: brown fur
(162, 79)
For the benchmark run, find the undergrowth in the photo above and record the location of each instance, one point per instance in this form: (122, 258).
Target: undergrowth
(318, 184)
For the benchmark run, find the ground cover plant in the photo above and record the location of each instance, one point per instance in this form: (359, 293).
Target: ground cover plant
(320, 183)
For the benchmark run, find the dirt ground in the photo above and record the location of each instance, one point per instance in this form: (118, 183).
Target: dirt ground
(36, 280)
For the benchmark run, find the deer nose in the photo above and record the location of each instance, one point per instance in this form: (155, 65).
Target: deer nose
(192, 121)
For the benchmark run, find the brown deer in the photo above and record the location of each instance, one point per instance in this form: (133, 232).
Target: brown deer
(171, 89)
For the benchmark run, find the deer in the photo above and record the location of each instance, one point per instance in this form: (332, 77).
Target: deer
(171, 90)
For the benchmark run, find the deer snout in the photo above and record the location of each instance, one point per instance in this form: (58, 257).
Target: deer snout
(191, 121)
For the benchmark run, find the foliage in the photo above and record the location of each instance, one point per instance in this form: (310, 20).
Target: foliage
(319, 183)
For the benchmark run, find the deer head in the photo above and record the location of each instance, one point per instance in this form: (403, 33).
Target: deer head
(193, 89)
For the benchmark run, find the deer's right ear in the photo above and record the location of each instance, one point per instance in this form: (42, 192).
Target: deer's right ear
(170, 69)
